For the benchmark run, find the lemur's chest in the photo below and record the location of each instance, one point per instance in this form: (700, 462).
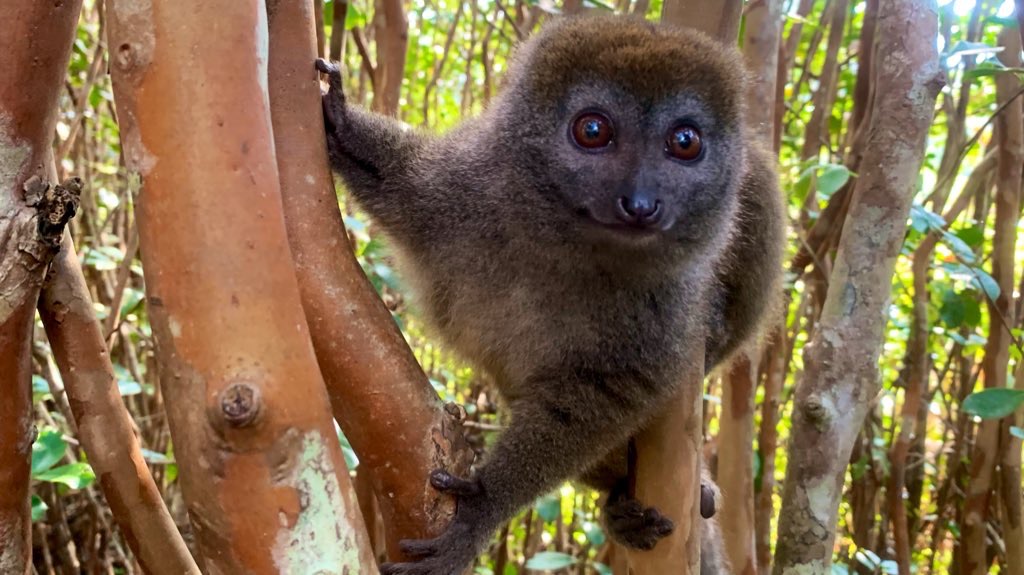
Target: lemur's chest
(518, 321)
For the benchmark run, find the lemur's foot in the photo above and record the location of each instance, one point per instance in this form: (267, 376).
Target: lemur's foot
(633, 525)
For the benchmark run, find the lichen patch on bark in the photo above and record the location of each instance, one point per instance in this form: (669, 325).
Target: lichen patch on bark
(318, 539)
(13, 156)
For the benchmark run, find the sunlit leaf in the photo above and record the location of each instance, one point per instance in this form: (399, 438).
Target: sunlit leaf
(868, 558)
(993, 403)
(354, 17)
(964, 48)
(831, 178)
(972, 236)
(963, 251)
(550, 560)
(351, 459)
(47, 450)
(594, 533)
(39, 508)
(889, 567)
(74, 475)
(155, 457)
(40, 389)
(127, 387)
(549, 506)
(987, 283)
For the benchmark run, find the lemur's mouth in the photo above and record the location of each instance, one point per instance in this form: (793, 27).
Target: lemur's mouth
(623, 231)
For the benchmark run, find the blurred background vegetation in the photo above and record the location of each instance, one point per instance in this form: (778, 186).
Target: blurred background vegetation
(457, 53)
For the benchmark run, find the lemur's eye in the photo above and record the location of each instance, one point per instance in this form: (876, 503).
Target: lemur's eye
(592, 130)
(684, 143)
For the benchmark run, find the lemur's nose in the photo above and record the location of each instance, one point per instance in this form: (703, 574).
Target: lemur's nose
(639, 209)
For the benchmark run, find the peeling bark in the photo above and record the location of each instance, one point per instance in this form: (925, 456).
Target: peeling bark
(841, 362)
(261, 468)
(35, 44)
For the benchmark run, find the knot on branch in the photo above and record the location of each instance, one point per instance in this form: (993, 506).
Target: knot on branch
(817, 413)
(240, 404)
(55, 206)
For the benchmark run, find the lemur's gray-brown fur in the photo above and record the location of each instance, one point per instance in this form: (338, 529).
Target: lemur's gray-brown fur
(506, 230)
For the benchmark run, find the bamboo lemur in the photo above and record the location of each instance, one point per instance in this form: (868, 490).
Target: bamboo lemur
(606, 211)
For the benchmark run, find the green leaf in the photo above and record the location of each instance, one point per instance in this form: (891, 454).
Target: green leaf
(351, 459)
(987, 283)
(47, 450)
(132, 297)
(548, 506)
(972, 236)
(155, 457)
(958, 309)
(128, 387)
(868, 558)
(987, 68)
(40, 389)
(960, 248)
(354, 18)
(39, 508)
(594, 533)
(994, 403)
(1016, 432)
(74, 475)
(889, 567)
(923, 219)
(550, 560)
(964, 48)
(832, 177)
(602, 569)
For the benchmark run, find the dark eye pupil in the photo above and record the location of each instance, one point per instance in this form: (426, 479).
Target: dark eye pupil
(592, 131)
(684, 138)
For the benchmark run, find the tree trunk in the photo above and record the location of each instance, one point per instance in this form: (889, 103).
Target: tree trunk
(377, 388)
(391, 27)
(338, 30)
(104, 425)
(668, 477)
(841, 364)
(995, 363)
(719, 18)
(261, 468)
(35, 44)
(736, 431)
(669, 449)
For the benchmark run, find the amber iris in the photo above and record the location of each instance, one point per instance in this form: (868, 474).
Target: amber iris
(685, 143)
(592, 131)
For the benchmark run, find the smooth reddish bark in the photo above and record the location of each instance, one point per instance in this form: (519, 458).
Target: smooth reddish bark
(736, 423)
(995, 364)
(378, 391)
(261, 468)
(668, 477)
(104, 425)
